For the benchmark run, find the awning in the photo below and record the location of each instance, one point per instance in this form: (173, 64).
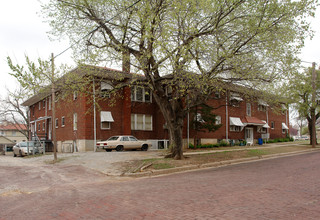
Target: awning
(236, 122)
(106, 117)
(284, 126)
(106, 86)
(261, 102)
(247, 120)
(235, 96)
(265, 125)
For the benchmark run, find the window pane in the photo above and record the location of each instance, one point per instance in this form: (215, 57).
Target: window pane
(105, 125)
(139, 122)
(133, 122)
(139, 94)
(148, 122)
(147, 95)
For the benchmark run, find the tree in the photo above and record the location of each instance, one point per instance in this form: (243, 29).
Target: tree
(37, 78)
(12, 111)
(186, 47)
(299, 88)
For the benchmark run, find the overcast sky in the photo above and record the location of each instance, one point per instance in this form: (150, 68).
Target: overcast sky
(23, 32)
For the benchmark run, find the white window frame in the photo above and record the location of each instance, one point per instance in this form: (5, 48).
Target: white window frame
(49, 107)
(272, 125)
(75, 95)
(218, 120)
(63, 122)
(43, 126)
(105, 92)
(56, 122)
(144, 94)
(235, 128)
(75, 121)
(107, 124)
(134, 122)
(248, 109)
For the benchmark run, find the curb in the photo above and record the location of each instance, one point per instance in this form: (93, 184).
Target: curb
(215, 164)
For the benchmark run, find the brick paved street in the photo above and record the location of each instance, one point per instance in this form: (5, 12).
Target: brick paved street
(282, 188)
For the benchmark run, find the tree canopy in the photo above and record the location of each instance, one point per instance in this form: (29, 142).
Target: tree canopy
(188, 46)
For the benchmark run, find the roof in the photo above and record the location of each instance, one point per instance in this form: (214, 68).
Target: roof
(13, 127)
(81, 71)
(4, 140)
(252, 121)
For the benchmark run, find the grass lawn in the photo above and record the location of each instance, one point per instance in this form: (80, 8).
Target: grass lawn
(223, 154)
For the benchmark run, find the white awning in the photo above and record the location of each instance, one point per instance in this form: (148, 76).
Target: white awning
(235, 96)
(261, 102)
(106, 86)
(265, 125)
(284, 126)
(236, 122)
(106, 117)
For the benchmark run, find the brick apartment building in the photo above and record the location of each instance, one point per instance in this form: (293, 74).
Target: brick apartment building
(131, 111)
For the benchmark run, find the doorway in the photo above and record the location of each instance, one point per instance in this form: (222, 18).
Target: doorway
(249, 135)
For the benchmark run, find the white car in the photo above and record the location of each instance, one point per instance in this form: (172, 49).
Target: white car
(120, 143)
(26, 148)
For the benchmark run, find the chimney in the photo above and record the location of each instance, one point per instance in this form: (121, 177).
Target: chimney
(126, 61)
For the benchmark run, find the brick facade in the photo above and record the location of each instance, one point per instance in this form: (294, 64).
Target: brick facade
(122, 108)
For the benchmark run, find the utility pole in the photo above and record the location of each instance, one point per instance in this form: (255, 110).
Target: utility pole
(313, 107)
(53, 95)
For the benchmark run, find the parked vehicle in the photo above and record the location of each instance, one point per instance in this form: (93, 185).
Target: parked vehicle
(300, 138)
(27, 148)
(120, 143)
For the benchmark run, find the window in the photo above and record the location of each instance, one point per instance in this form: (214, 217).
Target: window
(105, 89)
(44, 104)
(75, 121)
(62, 122)
(235, 128)
(272, 125)
(125, 138)
(261, 129)
(2, 133)
(217, 95)
(284, 131)
(140, 94)
(106, 119)
(57, 123)
(248, 109)
(39, 127)
(49, 103)
(33, 109)
(218, 120)
(43, 126)
(75, 95)
(141, 122)
(39, 105)
(14, 133)
(262, 108)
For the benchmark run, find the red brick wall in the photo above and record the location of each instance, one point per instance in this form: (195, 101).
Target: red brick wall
(121, 108)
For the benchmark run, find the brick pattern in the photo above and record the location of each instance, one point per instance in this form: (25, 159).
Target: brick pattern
(122, 107)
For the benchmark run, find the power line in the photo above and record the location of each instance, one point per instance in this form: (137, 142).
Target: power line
(95, 27)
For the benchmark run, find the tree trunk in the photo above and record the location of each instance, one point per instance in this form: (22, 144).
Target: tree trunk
(175, 131)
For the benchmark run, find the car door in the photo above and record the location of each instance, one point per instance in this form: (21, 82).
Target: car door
(134, 143)
(125, 142)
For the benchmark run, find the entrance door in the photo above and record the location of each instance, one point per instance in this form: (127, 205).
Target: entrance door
(249, 135)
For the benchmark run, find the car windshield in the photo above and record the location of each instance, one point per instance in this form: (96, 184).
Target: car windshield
(114, 138)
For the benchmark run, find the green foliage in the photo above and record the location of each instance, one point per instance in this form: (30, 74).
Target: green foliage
(204, 119)
(276, 140)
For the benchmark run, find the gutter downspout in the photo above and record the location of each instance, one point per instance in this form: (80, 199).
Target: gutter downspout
(268, 129)
(94, 119)
(227, 135)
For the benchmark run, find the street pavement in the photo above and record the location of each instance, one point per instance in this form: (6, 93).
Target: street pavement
(281, 188)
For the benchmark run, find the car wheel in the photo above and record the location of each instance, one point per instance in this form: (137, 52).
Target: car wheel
(119, 148)
(144, 147)
(108, 150)
(14, 154)
(20, 153)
